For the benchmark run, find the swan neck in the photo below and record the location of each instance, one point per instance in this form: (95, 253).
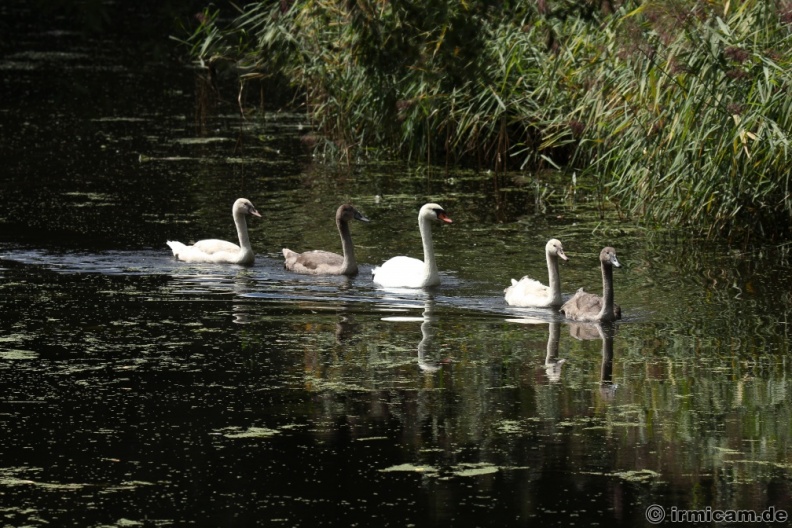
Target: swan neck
(553, 279)
(430, 266)
(347, 247)
(242, 231)
(607, 293)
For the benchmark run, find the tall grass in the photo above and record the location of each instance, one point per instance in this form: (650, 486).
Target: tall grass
(689, 116)
(679, 109)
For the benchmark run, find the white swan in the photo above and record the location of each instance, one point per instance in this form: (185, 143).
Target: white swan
(220, 251)
(531, 292)
(407, 272)
(320, 262)
(589, 307)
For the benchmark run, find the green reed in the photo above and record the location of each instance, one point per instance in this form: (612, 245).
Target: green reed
(677, 109)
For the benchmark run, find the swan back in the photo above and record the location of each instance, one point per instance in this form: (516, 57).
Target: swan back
(585, 306)
(320, 262)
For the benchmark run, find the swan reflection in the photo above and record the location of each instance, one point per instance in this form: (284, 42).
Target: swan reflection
(427, 334)
(428, 318)
(552, 362)
(605, 332)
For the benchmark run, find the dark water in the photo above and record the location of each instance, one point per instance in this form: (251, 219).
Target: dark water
(140, 391)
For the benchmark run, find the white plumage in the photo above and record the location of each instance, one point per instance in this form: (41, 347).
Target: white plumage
(220, 251)
(408, 272)
(528, 292)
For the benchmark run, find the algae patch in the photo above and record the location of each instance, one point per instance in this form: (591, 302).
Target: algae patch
(17, 355)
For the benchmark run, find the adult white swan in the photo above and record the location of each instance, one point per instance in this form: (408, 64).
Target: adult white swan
(531, 292)
(408, 272)
(320, 262)
(589, 307)
(220, 251)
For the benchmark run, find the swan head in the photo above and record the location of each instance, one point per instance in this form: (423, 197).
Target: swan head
(608, 257)
(347, 212)
(245, 207)
(555, 249)
(432, 211)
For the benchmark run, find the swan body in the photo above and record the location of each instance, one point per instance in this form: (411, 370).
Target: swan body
(220, 251)
(593, 308)
(320, 262)
(530, 292)
(408, 272)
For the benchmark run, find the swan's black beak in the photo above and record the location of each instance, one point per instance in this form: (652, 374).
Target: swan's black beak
(360, 217)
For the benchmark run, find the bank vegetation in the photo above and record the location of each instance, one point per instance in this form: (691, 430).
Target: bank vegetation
(679, 110)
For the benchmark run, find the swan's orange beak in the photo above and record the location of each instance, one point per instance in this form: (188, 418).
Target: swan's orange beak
(255, 213)
(444, 217)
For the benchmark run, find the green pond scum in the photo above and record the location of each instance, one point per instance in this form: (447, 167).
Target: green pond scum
(143, 391)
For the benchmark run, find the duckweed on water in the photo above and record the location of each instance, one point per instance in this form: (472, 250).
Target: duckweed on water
(15, 355)
(474, 470)
(250, 432)
(411, 468)
(201, 140)
(464, 469)
(642, 475)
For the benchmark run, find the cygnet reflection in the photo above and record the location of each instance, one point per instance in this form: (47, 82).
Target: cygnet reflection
(552, 362)
(605, 332)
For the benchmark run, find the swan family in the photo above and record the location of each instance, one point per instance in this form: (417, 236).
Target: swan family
(408, 272)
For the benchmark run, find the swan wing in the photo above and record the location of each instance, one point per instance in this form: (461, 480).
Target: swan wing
(401, 272)
(317, 262)
(213, 245)
(585, 306)
(208, 251)
(528, 292)
(582, 306)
